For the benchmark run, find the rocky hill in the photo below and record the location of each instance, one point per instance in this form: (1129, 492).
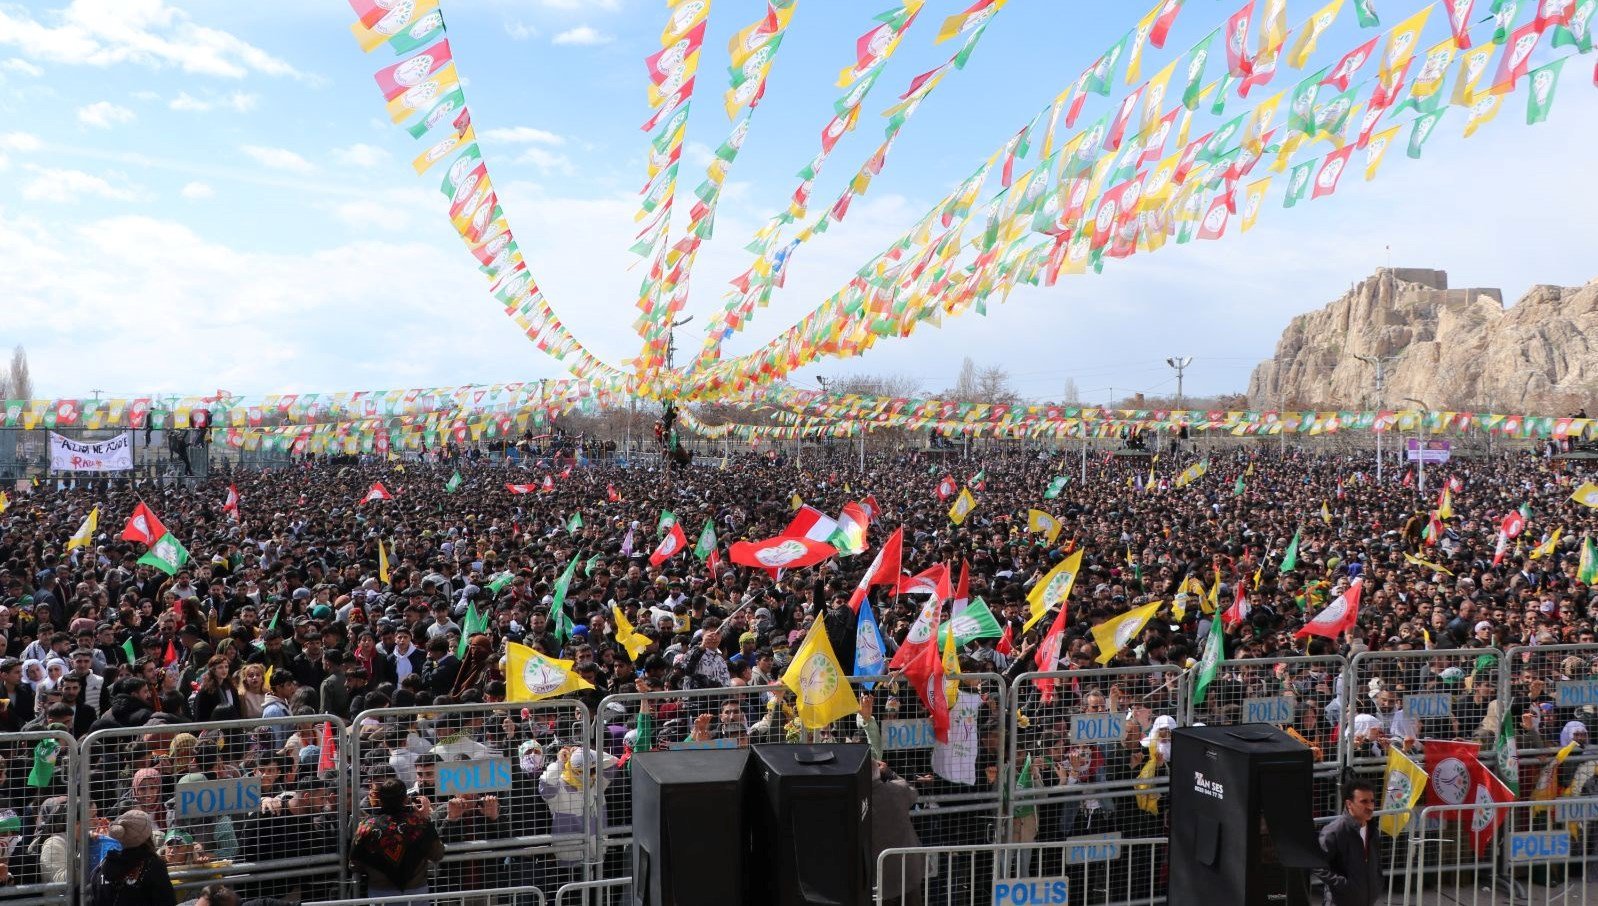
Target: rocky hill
(1453, 348)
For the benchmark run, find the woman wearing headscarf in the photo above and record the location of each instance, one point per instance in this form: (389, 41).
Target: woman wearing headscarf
(133, 875)
(393, 846)
(475, 666)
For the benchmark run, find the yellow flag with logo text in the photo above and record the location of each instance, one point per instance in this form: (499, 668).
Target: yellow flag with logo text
(1117, 632)
(1052, 589)
(1039, 522)
(530, 676)
(1586, 495)
(963, 505)
(84, 536)
(818, 682)
(1402, 787)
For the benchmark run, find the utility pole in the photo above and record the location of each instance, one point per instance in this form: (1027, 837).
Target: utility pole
(1380, 364)
(1179, 363)
(671, 405)
(1420, 445)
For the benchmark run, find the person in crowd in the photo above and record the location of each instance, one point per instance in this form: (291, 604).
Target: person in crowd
(134, 875)
(1352, 844)
(394, 846)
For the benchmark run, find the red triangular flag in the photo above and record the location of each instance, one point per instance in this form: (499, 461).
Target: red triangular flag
(327, 757)
(884, 569)
(1048, 654)
(1006, 644)
(923, 632)
(170, 657)
(1239, 610)
(231, 504)
(377, 492)
(612, 493)
(670, 546)
(925, 673)
(143, 527)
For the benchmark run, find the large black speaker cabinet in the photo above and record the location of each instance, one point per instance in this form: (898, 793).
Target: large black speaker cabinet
(690, 839)
(810, 810)
(1241, 825)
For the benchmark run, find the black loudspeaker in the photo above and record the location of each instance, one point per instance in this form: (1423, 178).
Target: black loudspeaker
(1241, 826)
(690, 840)
(810, 810)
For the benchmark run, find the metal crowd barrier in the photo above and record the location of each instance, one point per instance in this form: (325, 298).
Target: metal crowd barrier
(1098, 870)
(499, 896)
(606, 892)
(1438, 694)
(495, 779)
(1509, 852)
(44, 872)
(273, 825)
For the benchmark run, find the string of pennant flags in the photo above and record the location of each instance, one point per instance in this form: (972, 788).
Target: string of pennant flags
(1129, 181)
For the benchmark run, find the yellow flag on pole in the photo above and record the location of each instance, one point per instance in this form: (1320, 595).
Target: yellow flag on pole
(84, 536)
(1547, 547)
(530, 676)
(1405, 782)
(818, 681)
(1039, 522)
(1117, 632)
(963, 505)
(1586, 495)
(382, 562)
(1053, 588)
(1416, 561)
(629, 639)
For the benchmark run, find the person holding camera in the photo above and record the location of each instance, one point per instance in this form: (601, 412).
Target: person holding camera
(394, 846)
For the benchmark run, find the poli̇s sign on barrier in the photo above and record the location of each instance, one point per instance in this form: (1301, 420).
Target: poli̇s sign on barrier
(1032, 892)
(213, 798)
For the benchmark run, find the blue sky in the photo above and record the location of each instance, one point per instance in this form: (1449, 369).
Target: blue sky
(198, 194)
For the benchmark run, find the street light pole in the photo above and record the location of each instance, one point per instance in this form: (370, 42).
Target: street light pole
(1381, 383)
(1179, 363)
(1420, 445)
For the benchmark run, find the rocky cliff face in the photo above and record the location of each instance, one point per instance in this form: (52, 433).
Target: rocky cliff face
(1452, 348)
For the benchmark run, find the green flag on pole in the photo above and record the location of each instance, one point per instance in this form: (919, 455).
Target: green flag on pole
(975, 622)
(454, 483)
(475, 623)
(558, 606)
(44, 756)
(707, 541)
(1056, 485)
(574, 522)
(1210, 664)
(1290, 559)
(591, 565)
(666, 521)
(166, 555)
(127, 649)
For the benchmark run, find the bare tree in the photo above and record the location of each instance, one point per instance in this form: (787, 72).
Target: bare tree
(891, 385)
(993, 386)
(1071, 395)
(19, 381)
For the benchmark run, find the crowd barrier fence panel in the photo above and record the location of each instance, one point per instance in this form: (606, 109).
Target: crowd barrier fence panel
(1539, 852)
(499, 896)
(229, 832)
(1536, 670)
(20, 751)
(605, 892)
(1439, 694)
(504, 805)
(1094, 870)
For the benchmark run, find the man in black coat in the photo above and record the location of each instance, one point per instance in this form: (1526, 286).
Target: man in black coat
(1352, 843)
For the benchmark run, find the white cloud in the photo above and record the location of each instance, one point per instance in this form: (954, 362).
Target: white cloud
(19, 141)
(367, 216)
(67, 186)
(522, 135)
(197, 191)
(361, 155)
(237, 101)
(20, 67)
(582, 36)
(147, 33)
(278, 159)
(517, 30)
(104, 115)
(547, 161)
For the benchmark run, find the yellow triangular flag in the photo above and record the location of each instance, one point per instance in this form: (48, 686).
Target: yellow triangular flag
(818, 682)
(84, 536)
(1039, 522)
(1416, 561)
(1326, 514)
(963, 505)
(626, 635)
(530, 676)
(795, 502)
(1404, 784)
(1117, 632)
(1053, 588)
(382, 562)
(5, 502)
(1547, 547)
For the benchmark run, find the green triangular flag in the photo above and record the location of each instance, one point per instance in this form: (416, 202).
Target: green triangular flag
(127, 649)
(166, 555)
(1366, 11)
(574, 523)
(1056, 485)
(454, 483)
(707, 541)
(1237, 488)
(44, 756)
(563, 626)
(975, 622)
(588, 568)
(475, 623)
(666, 521)
(1210, 664)
(500, 580)
(1290, 559)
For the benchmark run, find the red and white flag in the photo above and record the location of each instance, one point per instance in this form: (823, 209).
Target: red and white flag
(327, 755)
(947, 487)
(548, 485)
(810, 523)
(1239, 610)
(884, 568)
(669, 546)
(781, 552)
(612, 494)
(1336, 617)
(521, 488)
(377, 492)
(962, 590)
(1048, 654)
(872, 508)
(143, 527)
(924, 670)
(231, 504)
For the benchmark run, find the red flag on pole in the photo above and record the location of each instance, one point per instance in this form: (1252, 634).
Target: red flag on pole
(143, 526)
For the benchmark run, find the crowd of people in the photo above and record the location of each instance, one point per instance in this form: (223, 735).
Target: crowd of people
(308, 599)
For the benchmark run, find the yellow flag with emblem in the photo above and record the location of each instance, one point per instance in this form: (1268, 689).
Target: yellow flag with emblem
(1039, 522)
(1052, 589)
(1586, 495)
(1117, 632)
(795, 502)
(1192, 473)
(625, 634)
(382, 562)
(1404, 783)
(1416, 561)
(84, 536)
(818, 682)
(530, 676)
(963, 505)
(1547, 547)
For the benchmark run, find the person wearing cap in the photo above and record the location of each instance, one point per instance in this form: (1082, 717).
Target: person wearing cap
(133, 875)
